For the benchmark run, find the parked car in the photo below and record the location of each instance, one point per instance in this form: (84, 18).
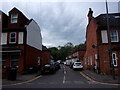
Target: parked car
(77, 66)
(71, 65)
(48, 68)
(57, 65)
(33, 69)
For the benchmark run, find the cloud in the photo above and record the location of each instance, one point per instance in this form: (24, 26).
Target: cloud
(60, 22)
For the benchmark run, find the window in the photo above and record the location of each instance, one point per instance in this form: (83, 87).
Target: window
(14, 18)
(91, 60)
(114, 59)
(104, 36)
(3, 60)
(13, 37)
(14, 60)
(114, 35)
(3, 38)
(0, 18)
(20, 39)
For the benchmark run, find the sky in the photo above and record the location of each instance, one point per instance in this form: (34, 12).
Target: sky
(60, 22)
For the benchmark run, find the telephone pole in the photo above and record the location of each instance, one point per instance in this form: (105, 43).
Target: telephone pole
(109, 43)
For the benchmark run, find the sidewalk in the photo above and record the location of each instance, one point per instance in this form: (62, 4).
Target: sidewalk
(20, 78)
(102, 78)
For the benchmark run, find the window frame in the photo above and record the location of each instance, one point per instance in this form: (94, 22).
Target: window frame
(117, 38)
(115, 59)
(20, 37)
(104, 36)
(12, 18)
(10, 38)
(0, 18)
(4, 41)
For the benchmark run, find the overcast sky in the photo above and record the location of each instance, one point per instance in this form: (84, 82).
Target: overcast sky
(60, 22)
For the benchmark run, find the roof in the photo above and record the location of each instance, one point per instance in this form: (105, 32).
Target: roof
(44, 48)
(114, 20)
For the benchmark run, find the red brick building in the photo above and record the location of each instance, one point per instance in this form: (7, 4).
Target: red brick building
(97, 47)
(77, 54)
(46, 57)
(21, 42)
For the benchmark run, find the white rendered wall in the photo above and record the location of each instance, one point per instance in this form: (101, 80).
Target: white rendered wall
(34, 37)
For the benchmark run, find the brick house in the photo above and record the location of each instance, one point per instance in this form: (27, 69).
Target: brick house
(21, 41)
(46, 57)
(97, 47)
(77, 54)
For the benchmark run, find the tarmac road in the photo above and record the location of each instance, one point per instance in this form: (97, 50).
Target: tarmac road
(63, 78)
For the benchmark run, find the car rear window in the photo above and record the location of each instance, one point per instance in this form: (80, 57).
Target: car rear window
(77, 63)
(47, 65)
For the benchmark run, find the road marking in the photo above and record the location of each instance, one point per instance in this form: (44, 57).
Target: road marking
(24, 81)
(65, 72)
(63, 79)
(87, 77)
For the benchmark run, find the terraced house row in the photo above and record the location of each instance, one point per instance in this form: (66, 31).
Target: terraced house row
(97, 43)
(21, 42)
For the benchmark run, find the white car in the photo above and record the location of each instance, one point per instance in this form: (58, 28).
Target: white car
(77, 66)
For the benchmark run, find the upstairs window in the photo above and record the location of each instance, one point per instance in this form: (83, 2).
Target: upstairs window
(114, 35)
(104, 36)
(12, 37)
(20, 38)
(14, 18)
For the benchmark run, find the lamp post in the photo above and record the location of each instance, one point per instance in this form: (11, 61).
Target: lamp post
(109, 43)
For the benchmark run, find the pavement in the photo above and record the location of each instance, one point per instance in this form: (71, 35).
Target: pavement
(102, 78)
(21, 78)
(92, 75)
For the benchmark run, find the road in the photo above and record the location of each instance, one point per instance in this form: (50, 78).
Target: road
(63, 78)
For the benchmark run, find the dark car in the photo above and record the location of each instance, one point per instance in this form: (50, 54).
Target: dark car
(48, 68)
(57, 65)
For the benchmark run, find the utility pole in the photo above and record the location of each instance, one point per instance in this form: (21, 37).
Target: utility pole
(109, 42)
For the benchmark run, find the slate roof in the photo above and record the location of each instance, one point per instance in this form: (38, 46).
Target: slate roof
(114, 20)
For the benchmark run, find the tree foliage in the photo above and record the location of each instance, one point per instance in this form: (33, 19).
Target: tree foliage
(61, 52)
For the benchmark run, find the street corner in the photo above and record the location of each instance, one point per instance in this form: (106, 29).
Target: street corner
(88, 77)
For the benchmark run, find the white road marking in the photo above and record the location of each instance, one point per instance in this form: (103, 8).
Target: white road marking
(63, 79)
(65, 72)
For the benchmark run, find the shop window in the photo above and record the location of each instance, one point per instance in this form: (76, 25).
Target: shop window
(14, 60)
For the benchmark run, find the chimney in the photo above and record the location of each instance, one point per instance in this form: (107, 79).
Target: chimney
(90, 15)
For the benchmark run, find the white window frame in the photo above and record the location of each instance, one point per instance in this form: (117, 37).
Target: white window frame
(0, 18)
(115, 65)
(91, 60)
(14, 18)
(10, 38)
(104, 36)
(114, 36)
(3, 38)
(20, 37)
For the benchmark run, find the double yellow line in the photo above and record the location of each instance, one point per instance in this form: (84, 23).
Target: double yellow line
(24, 81)
(87, 77)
